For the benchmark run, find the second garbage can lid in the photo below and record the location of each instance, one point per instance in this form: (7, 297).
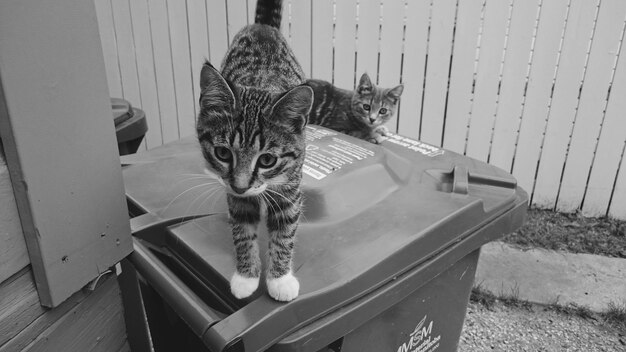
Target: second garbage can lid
(122, 110)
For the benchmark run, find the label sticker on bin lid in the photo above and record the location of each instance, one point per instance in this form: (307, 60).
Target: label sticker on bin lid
(412, 144)
(322, 159)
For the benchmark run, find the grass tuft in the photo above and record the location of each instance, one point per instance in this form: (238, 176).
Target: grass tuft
(616, 315)
(571, 232)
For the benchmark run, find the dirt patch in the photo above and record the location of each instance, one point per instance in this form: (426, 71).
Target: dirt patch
(571, 232)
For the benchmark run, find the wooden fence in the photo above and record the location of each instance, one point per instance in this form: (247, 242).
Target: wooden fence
(536, 87)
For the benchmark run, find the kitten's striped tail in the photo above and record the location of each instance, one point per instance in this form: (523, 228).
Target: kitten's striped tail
(269, 12)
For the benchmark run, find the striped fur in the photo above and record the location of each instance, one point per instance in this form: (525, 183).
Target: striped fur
(345, 111)
(269, 12)
(251, 132)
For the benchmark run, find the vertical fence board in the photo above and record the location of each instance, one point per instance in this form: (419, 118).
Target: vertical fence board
(488, 78)
(610, 146)
(564, 101)
(154, 50)
(391, 55)
(368, 35)
(618, 200)
(322, 40)
(218, 34)
(251, 11)
(237, 12)
(535, 110)
(146, 72)
(514, 78)
(301, 33)
(438, 69)
(460, 94)
(285, 21)
(109, 47)
(181, 64)
(199, 44)
(126, 51)
(163, 68)
(415, 41)
(345, 34)
(598, 78)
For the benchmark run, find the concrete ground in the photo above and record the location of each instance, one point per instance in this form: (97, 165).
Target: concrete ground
(547, 277)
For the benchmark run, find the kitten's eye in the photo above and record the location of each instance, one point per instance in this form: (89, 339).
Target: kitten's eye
(382, 111)
(267, 160)
(223, 154)
(366, 107)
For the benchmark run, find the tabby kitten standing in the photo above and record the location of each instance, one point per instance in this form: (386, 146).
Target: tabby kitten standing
(360, 113)
(251, 130)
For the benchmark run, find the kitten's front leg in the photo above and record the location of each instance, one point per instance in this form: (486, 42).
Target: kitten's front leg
(376, 135)
(382, 130)
(244, 221)
(282, 221)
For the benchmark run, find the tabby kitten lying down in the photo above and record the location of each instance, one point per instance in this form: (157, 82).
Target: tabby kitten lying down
(361, 113)
(251, 132)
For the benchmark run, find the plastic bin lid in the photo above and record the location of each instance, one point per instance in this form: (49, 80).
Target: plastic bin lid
(122, 110)
(372, 212)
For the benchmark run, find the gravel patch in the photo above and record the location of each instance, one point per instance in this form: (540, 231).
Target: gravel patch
(507, 328)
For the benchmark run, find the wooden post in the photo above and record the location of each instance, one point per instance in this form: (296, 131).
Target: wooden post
(59, 139)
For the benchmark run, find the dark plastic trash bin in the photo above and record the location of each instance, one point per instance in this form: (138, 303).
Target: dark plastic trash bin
(130, 125)
(386, 252)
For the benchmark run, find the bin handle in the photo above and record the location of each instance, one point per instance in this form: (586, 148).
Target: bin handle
(197, 314)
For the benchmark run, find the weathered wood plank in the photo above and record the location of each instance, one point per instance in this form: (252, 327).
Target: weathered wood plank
(218, 36)
(237, 12)
(181, 63)
(95, 324)
(13, 254)
(33, 319)
(492, 48)
(564, 104)
(543, 65)
(462, 75)
(599, 77)
(126, 51)
(301, 33)
(78, 227)
(418, 13)
(345, 44)
(199, 44)
(391, 57)
(610, 146)
(368, 34)
(618, 201)
(514, 79)
(146, 72)
(251, 11)
(439, 49)
(322, 40)
(19, 305)
(109, 47)
(161, 46)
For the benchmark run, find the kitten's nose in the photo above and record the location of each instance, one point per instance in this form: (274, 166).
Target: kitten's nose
(372, 119)
(239, 190)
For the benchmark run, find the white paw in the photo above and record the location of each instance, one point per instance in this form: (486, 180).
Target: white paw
(242, 287)
(383, 130)
(284, 288)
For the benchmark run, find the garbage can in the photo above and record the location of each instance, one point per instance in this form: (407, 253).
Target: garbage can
(386, 250)
(130, 125)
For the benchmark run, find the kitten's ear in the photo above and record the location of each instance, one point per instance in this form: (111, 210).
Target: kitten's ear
(215, 90)
(365, 84)
(291, 111)
(396, 92)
